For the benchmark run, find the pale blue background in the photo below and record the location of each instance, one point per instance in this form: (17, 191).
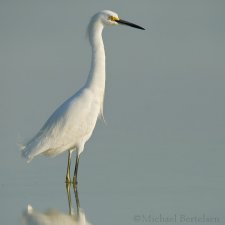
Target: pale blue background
(162, 148)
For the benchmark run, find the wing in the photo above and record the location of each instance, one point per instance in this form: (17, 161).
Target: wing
(71, 124)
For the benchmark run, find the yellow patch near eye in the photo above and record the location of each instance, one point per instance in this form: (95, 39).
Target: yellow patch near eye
(113, 18)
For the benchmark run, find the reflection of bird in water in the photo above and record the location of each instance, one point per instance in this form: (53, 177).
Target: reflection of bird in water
(55, 217)
(72, 124)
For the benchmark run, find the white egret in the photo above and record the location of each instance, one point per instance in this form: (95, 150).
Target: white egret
(72, 124)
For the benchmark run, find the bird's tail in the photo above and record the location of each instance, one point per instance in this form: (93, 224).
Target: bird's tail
(28, 150)
(25, 153)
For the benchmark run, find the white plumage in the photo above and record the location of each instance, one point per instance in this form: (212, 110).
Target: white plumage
(69, 127)
(53, 217)
(72, 124)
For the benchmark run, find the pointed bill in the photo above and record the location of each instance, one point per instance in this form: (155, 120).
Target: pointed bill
(124, 22)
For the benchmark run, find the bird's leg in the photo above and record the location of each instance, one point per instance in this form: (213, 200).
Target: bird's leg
(69, 197)
(68, 167)
(77, 200)
(76, 170)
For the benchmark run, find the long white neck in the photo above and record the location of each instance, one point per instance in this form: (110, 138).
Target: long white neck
(96, 78)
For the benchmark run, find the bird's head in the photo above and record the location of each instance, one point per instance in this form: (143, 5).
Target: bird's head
(108, 17)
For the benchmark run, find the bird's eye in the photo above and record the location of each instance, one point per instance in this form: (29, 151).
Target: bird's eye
(113, 18)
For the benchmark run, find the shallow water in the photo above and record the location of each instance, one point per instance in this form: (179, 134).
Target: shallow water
(103, 203)
(160, 157)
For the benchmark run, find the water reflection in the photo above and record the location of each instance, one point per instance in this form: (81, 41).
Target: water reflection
(54, 217)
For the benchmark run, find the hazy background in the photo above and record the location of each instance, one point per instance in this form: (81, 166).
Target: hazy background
(162, 148)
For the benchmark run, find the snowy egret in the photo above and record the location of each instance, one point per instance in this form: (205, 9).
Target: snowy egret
(72, 124)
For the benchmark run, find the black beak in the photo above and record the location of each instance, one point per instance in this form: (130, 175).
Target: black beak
(129, 24)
